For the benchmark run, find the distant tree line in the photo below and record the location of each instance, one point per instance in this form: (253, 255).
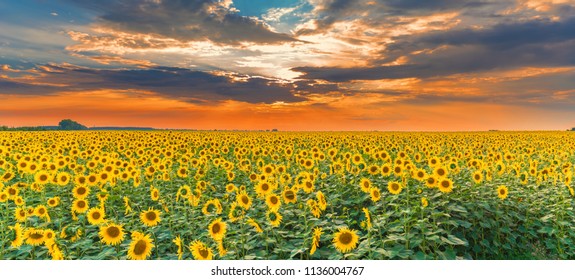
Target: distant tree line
(66, 124)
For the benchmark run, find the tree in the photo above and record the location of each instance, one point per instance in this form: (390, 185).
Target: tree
(68, 124)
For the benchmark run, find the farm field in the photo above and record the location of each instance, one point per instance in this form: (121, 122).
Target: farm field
(286, 195)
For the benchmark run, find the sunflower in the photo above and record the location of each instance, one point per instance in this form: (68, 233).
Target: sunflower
(397, 170)
(42, 177)
(12, 192)
(289, 196)
(96, 216)
(424, 202)
(92, 179)
(34, 237)
(263, 188)
(231, 188)
(20, 214)
(375, 194)
(394, 187)
(445, 185)
(317, 231)
(3, 197)
(80, 206)
(217, 229)
(345, 240)
(178, 242)
(308, 186)
(274, 217)
(63, 178)
(182, 172)
(212, 207)
(41, 211)
(151, 217)
(49, 236)
(368, 224)
(502, 192)
(254, 224)
(244, 200)
(111, 234)
(321, 200)
(373, 170)
(7, 176)
(18, 235)
(154, 193)
(440, 172)
(236, 212)
(477, 176)
(200, 251)
(431, 182)
(420, 175)
(273, 202)
(80, 192)
(140, 247)
(80, 180)
(365, 185)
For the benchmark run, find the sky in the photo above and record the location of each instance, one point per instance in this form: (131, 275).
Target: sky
(388, 65)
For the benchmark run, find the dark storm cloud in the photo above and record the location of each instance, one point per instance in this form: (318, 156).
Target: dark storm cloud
(390, 12)
(171, 82)
(184, 20)
(503, 46)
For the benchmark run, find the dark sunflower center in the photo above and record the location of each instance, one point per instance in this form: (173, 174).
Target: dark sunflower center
(113, 231)
(395, 187)
(366, 184)
(274, 200)
(43, 177)
(385, 169)
(431, 180)
(12, 191)
(41, 211)
(36, 235)
(308, 185)
(268, 170)
(265, 187)
(204, 253)
(289, 195)
(81, 191)
(445, 184)
(397, 169)
(477, 177)
(92, 179)
(441, 172)
(81, 204)
(96, 215)
(245, 199)
(140, 247)
(502, 191)
(420, 174)
(151, 216)
(216, 228)
(375, 193)
(49, 235)
(345, 238)
(373, 169)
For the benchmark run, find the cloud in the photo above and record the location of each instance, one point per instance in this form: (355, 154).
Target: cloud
(176, 83)
(185, 21)
(541, 43)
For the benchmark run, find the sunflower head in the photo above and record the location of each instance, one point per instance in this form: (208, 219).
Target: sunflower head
(151, 217)
(200, 251)
(111, 234)
(394, 187)
(96, 216)
(502, 192)
(217, 229)
(345, 240)
(140, 247)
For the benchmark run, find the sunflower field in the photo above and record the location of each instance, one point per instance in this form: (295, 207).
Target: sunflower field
(286, 195)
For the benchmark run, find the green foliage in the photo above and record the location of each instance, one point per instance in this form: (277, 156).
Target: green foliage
(68, 124)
